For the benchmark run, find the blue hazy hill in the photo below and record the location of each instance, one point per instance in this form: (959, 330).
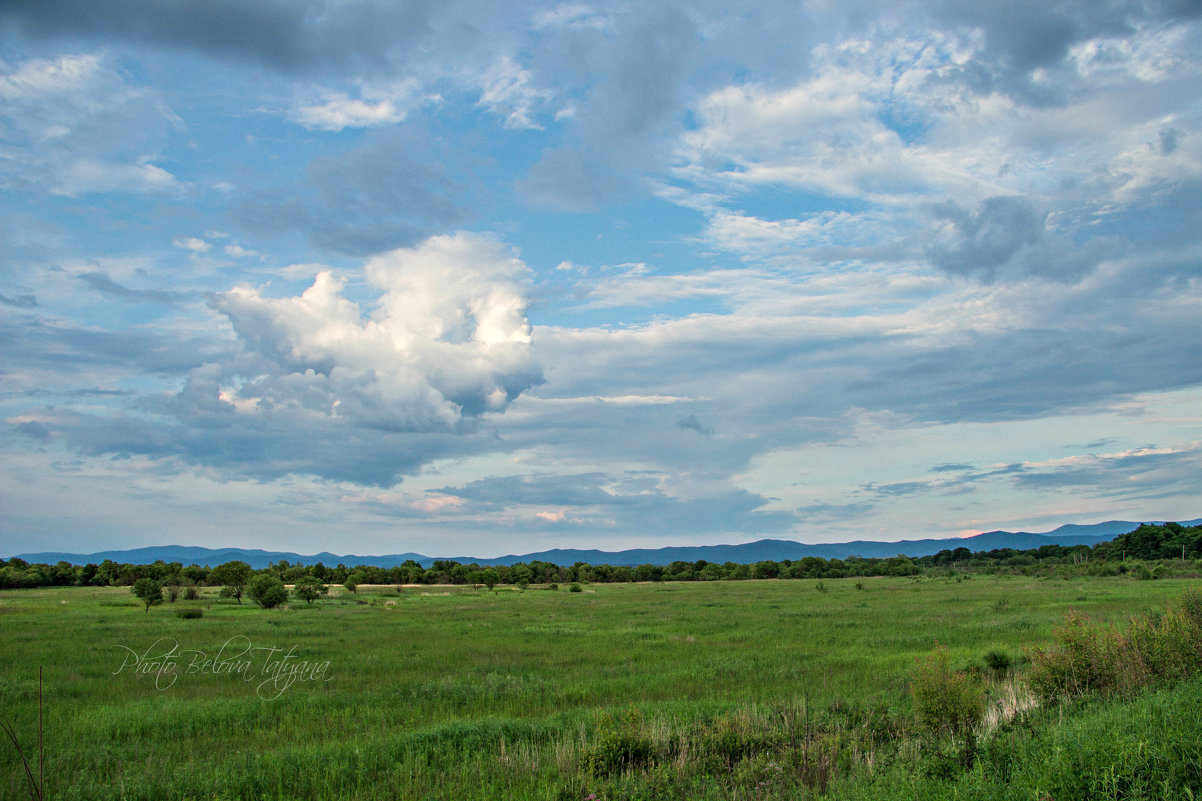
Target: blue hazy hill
(748, 552)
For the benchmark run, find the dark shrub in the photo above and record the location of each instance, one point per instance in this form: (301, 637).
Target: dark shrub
(998, 661)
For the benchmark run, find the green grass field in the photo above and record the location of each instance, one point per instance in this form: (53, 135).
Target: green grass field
(755, 689)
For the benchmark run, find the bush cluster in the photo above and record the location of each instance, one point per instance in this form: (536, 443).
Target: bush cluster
(267, 591)
(619, 745)
(1092, 660)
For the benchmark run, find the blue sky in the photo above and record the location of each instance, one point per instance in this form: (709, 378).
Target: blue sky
(484, 278)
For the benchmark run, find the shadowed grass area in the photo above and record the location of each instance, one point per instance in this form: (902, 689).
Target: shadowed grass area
(432, 693)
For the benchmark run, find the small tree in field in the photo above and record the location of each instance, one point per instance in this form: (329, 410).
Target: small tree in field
(149, 590)
(354, 579)
(233, 576)
(489, 577)
(309, 589)
(172, 585)
(267, 591)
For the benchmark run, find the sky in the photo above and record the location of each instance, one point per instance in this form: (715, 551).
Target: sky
(480, 278)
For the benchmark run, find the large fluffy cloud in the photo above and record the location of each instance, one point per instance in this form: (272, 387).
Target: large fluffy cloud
(447, 340)
(326, 386)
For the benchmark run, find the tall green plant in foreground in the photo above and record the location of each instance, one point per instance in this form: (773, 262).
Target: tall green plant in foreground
(945, 701)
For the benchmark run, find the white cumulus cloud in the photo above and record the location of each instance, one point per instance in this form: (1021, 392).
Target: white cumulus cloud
(194, 244)
(337, 111)
(446, 339)
(376, 106)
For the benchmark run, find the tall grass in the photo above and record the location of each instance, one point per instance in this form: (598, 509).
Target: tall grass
(1141, 748)
(36, 785)
(738, 689)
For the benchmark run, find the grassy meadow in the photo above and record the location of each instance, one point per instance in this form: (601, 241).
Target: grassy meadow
(752, 689)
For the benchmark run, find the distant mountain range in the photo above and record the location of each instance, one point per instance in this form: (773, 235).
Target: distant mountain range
(760, 550)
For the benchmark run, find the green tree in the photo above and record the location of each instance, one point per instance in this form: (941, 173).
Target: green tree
(174, 586)
(63, 573)
(766, 569)
(196, 574)
(233, 578)
(520, 573)
(106, 574)
(149, 590)
(356, 577)
(489, 577)
(267, 591)
(309, 589)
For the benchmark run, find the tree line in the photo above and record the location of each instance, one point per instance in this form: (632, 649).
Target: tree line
(1127, 553)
